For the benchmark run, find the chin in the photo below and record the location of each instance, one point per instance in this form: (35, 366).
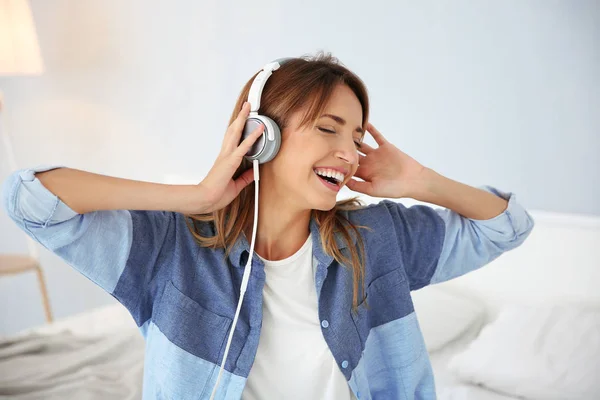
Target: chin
(324, 205)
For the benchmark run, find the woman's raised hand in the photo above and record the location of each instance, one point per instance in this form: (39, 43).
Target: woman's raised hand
(218, 187)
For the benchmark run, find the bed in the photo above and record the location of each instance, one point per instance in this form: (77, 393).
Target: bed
(525, 326)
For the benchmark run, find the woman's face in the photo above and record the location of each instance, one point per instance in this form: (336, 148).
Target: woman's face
(291, 174)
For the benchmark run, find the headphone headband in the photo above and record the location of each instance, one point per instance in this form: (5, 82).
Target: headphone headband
(259, 82)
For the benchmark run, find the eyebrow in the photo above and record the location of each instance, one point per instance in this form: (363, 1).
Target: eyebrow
(342, 122)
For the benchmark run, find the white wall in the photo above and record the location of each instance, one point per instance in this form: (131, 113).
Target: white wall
(501, 93)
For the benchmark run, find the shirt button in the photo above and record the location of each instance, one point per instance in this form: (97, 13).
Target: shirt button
(344, 364)
(324, 323)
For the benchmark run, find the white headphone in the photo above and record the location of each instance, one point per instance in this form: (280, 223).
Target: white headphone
(266, 147)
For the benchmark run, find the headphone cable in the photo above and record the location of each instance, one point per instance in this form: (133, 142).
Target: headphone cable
(245, 278)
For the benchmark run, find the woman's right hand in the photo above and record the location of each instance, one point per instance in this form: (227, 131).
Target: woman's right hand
(218, 187)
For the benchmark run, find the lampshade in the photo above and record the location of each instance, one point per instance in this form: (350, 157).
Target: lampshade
(19, 49)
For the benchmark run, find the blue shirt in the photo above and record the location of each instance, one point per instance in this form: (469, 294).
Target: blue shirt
(183, 297)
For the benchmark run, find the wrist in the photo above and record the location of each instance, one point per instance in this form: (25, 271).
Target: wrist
(188, 199)
(427, 186)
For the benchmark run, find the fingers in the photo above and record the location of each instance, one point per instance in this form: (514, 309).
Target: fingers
(360, 186)
(234, 131)
(376, 134)
(247, 143)
(365, 148)
(246, 178)
(242, 115)
(238, 123)
(360, 173)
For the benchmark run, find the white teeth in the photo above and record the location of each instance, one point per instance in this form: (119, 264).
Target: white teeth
(338, 176)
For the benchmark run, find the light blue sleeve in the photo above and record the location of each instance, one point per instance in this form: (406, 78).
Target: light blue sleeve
(470, 243)
(114, 249)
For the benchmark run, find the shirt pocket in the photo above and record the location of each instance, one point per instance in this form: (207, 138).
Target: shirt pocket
(390, 304)
(191, 355)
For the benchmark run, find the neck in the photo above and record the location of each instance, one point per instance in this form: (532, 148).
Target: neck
(282, 229)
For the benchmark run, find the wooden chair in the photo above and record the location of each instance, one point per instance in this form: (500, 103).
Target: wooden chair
(11, 264)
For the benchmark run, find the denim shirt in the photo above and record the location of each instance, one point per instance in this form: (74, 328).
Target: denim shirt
(183, 297)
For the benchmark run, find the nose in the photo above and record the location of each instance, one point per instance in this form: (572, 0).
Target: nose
(348, 152)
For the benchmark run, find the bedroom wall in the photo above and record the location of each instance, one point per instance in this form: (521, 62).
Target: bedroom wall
(502, 94)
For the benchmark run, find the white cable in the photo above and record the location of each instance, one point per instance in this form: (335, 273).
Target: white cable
(245, 278)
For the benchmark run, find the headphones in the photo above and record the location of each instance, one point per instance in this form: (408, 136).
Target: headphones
(265, 148)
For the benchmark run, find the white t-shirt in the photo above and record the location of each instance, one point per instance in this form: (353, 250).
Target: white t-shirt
(293, 360)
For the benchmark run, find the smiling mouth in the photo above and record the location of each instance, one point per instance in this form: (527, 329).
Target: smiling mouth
(328, 179)
(330, 182)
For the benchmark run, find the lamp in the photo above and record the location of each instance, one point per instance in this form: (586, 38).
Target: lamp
(19, 56)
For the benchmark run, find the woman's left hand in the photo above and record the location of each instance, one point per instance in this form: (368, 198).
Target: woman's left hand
(386, 171)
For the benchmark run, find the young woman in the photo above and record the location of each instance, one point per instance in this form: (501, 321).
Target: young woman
(328, 311)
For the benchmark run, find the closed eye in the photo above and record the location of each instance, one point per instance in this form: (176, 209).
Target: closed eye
(358, 145)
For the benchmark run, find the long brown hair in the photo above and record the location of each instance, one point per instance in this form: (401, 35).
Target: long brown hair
(301, 83)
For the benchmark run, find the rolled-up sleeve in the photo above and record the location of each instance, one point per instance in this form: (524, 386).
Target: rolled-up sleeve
(116, 249)
(34, 204)
(471, 243)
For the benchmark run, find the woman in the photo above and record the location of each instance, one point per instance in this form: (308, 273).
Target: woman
(328, 311)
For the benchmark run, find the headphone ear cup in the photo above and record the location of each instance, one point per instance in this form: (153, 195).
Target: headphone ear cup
(263, 149)
(258, 145)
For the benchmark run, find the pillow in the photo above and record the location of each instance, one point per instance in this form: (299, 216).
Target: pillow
(444, 316)
(537, 352)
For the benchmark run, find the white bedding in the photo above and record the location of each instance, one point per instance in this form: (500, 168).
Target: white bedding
(100, 321)
(449, 321)
(95, 355)
(448, 386)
